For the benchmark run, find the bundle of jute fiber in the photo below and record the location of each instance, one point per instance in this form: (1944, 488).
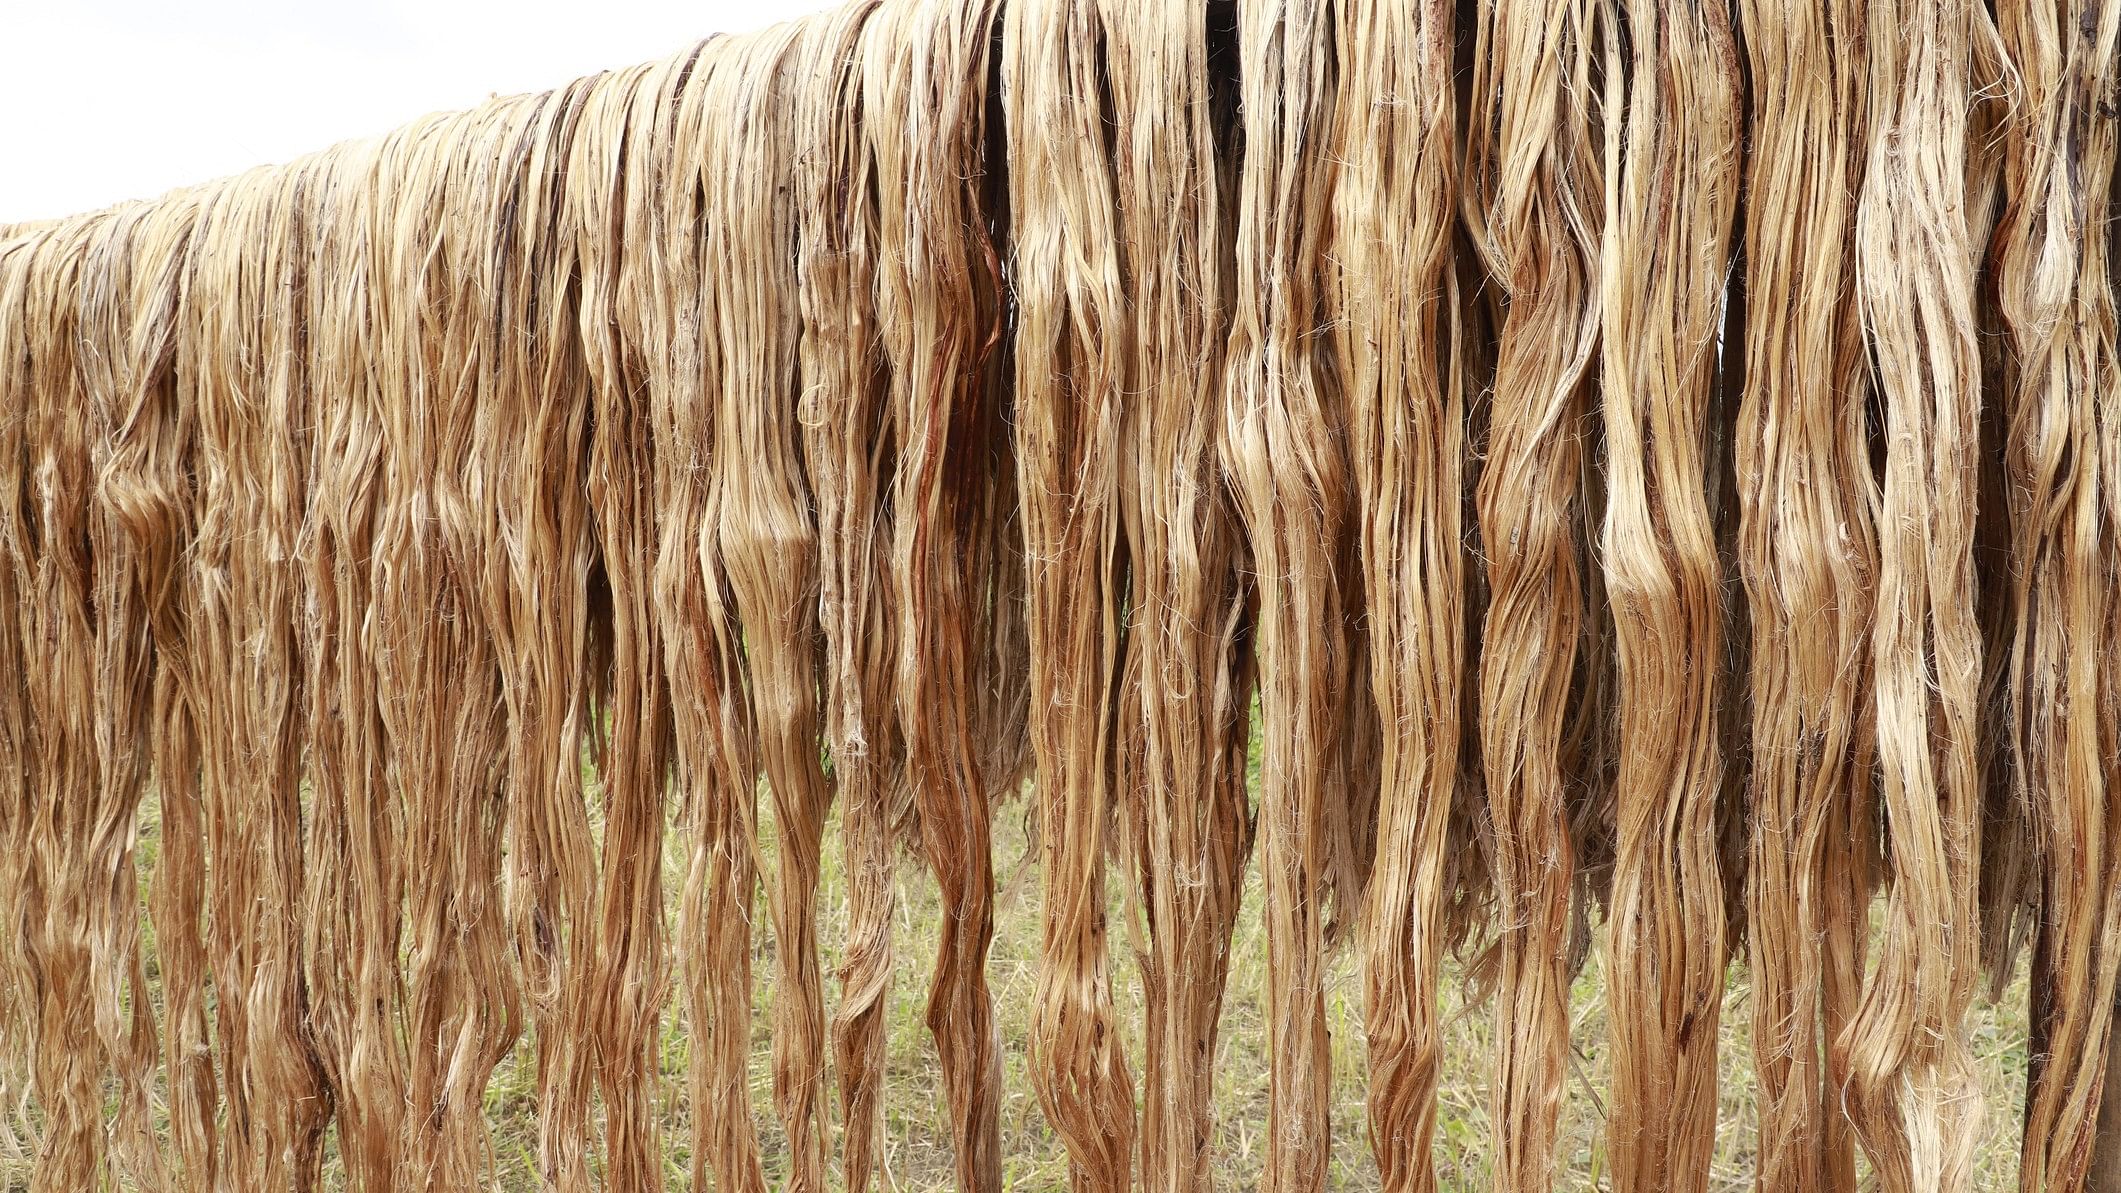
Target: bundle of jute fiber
(1586, 504)
(1808, 555)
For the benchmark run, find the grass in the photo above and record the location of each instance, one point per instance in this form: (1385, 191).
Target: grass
(917, 1152)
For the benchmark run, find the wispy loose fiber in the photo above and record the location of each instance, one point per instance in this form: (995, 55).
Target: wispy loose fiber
(1671, 189)
(2056, 297)
(925, 72)
(1535, 202)
(1394, 212)
(1808, 555)
(1913, 1095)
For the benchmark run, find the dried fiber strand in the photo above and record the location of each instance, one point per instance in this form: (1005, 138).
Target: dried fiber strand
(1281, 447)
(538, 611)
(55, 583)
(848, 447)
(924, 70)
(1808, 556)
(1535, 204)
(18, 978)
(1672, 179)
(1070, 345)
(354, 887)
(2050, 261)
(631, 745)
(675, 296)
(434, 653)
(767, 535)
(141, 505)
(1912, 1095)
(1394, 213)
(248, 281)
(1186, 810)
(158, 443)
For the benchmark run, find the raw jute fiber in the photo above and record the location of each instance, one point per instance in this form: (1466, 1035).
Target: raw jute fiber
(1636, 478)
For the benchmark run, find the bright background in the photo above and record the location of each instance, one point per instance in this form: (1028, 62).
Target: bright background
(108, 100)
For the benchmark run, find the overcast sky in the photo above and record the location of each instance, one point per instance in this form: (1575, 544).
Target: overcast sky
(120, 99)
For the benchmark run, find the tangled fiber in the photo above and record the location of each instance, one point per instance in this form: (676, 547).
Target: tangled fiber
(1645, 463)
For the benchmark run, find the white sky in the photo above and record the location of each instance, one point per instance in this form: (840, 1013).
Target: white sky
(109, 100)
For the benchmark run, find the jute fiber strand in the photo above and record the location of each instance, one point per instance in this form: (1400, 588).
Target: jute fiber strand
(1392, 216)
(1189, 677)
(666, 312)
(1912, 1095)
(354, 885)
(849, 454)
(1284, 452)
(537, 595)
(1535, 203)
(1808, 554)
(2057, 300)
(250, 397)
(523, 599)
(1069, 366)
(925, 70)
(1672, 176)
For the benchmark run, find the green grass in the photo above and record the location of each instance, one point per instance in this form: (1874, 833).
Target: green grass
(917, 1151)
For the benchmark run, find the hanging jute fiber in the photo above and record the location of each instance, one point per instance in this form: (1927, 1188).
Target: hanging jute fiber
(1012, 594)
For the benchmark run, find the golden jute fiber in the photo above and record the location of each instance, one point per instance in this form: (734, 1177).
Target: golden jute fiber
(1636, 478)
